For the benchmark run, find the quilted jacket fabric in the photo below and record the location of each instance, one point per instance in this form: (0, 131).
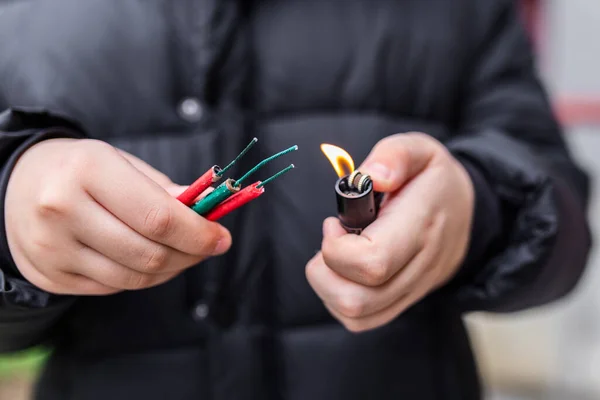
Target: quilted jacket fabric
(185, 84)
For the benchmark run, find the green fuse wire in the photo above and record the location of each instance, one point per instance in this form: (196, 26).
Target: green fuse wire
(239, 156)
(231, 186)
(263, 162)
(222, 192)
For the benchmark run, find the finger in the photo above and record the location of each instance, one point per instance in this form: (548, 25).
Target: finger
(347, 297)
(398, 158)
(373, 307)
(383, 248)
(383, 317)
(59, 282)
(105, 271)
(148, 209)
(353, 300)
(98, 229)
(407, 280)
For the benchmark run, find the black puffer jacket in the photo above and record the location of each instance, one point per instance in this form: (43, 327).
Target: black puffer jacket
(185, 84)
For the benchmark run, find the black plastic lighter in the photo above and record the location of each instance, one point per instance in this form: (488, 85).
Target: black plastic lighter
(357, 202)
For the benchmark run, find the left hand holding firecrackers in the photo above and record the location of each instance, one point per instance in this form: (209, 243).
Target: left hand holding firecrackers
(416, 244)
(100, 221)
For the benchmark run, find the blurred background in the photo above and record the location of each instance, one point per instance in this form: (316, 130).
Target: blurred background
(547, 353)
(554, 352)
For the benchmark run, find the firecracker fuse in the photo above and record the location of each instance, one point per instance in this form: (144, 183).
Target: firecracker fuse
(242, 197)
(213, 175)
(231, 187)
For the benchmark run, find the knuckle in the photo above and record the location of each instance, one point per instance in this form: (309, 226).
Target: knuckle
(52, 201)
(158, 221)
(351, 306)
(155, 258)
(375, 270)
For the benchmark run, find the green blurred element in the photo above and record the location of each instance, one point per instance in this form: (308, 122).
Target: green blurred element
(23, 363)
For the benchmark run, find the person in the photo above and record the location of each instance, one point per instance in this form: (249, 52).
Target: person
(107, 104)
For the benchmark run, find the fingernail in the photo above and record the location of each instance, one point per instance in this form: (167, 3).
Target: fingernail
(221, 247)
(379, 171)
(222, 244)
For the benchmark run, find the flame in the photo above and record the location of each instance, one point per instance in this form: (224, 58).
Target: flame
(339, 159)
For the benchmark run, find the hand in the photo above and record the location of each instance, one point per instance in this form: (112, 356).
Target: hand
(416, 244)
(83, 218)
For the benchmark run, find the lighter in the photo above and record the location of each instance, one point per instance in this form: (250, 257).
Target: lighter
(357, 202)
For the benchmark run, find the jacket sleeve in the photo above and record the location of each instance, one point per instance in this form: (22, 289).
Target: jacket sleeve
(530, 238)
(27, 314)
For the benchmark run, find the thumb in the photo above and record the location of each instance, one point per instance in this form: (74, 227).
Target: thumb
(398, 158)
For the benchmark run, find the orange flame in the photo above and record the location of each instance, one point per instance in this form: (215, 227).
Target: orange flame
(339, 159)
